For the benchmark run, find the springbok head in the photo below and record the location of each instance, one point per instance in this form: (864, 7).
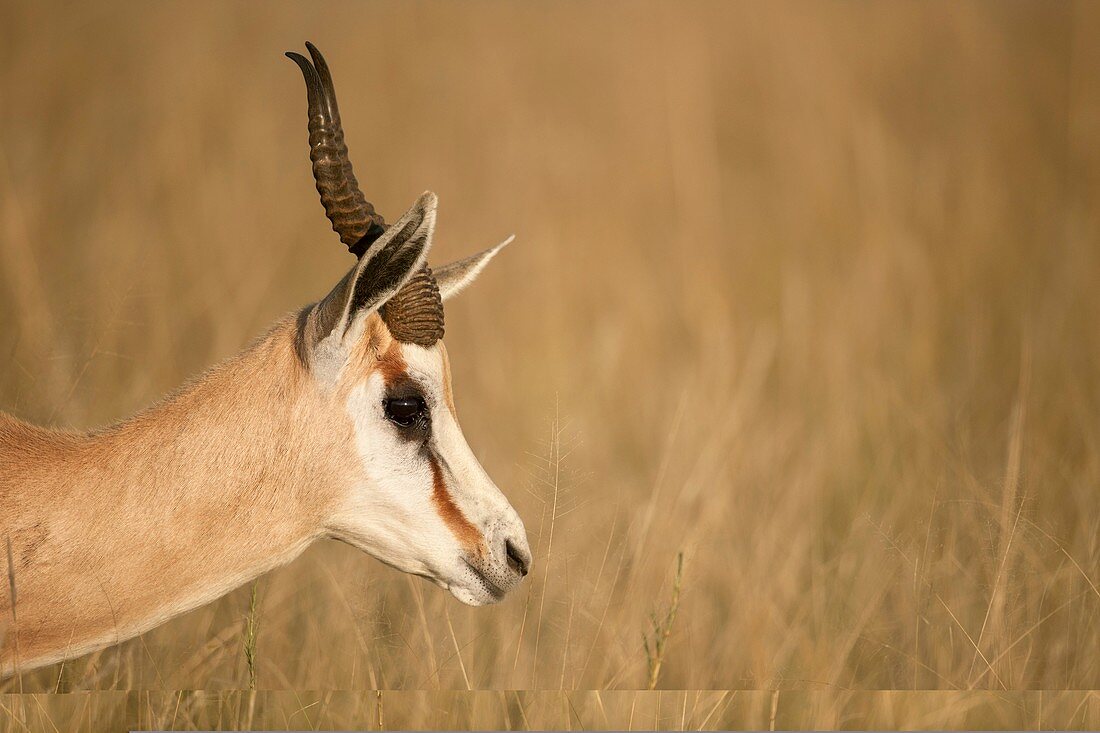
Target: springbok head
(418, 499)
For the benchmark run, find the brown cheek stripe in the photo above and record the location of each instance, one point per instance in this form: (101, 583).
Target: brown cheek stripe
(452, 516)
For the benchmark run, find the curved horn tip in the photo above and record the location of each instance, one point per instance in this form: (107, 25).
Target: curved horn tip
(321, 64)
(299, 59)
(314, 91)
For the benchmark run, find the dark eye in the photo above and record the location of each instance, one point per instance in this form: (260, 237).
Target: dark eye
(405, 411)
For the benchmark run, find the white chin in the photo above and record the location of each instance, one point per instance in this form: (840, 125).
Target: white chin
(471, 597)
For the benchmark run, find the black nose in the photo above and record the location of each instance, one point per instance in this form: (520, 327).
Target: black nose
(517, 558)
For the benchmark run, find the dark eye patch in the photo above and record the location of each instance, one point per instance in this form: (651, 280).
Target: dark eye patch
(407, 412)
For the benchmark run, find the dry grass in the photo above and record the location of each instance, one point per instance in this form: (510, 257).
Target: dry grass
(812, 288)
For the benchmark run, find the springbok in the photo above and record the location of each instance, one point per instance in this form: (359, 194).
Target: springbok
(339, 422)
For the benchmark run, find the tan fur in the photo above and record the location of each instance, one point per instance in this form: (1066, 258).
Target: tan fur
(115, 531)
(382, 352)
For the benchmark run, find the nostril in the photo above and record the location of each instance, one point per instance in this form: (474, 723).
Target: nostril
(517, 559)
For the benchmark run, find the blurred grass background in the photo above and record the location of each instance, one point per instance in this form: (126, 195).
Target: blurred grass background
(807, 292)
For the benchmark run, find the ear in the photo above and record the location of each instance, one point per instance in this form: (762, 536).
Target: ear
(386, 265)
(456, 276)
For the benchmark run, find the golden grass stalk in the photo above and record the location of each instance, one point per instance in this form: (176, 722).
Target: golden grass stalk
(251, 632)
(662, 629)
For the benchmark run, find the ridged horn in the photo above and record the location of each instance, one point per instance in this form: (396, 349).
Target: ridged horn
(352, 216)
(415, 313)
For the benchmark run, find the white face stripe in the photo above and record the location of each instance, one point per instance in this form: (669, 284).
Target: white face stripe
(424, 503)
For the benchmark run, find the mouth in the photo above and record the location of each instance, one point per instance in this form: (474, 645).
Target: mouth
(490, 591)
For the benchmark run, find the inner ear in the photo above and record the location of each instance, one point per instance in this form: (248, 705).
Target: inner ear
(379, 277)
(454, 277)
